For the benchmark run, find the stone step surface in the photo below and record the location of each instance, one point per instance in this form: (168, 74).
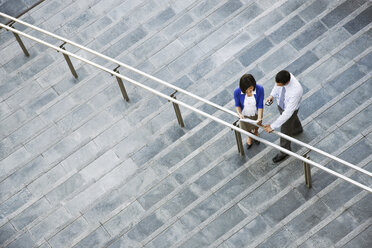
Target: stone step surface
(80, 167)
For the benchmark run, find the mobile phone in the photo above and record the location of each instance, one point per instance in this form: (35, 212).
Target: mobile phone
(268, 103)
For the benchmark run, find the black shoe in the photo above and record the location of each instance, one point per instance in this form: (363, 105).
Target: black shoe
(257, 142)
(248, 146)
(279, 157)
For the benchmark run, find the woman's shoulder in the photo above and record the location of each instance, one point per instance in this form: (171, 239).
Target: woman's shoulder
(237, 90)
(259, 88)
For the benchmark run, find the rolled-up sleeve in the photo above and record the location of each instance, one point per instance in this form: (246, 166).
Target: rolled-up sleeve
(237, 93)
(260, 97)
(286, 114)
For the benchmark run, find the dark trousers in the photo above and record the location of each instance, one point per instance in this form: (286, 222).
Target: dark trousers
(291, 127)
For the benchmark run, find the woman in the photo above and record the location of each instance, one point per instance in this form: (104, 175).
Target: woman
(249, 98)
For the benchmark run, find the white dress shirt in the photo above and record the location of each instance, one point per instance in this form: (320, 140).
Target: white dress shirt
(292, 99)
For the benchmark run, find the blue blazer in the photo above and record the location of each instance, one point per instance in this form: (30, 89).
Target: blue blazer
(259, 96)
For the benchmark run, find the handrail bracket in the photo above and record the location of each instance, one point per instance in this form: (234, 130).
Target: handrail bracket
(121, 84)
(68, 60)
(177, 110)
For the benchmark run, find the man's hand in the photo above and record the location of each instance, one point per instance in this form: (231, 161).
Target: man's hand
(241, 116)
(268, 128)
(269, 99)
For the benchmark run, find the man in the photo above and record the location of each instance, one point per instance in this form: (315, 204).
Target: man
(288, 93)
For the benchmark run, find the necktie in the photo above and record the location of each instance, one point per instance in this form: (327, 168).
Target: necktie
(281, 100)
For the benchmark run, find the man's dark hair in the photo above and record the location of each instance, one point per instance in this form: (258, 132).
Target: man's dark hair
(283, 77)
(246, 81)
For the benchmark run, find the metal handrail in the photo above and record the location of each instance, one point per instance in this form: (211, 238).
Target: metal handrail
(191, 108)
(186, 93)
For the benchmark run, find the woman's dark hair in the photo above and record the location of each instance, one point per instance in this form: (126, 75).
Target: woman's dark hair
(246, 81)
(283, 77)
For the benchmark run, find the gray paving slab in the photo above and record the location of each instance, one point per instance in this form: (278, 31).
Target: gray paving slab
(159, 20)
(351, 127)
(253, 230)
(14, 160)
(257, 50)
(37, 66)
(308, 219)
(178, 203)
(170, 236)
(291, 26)
(145, 227)
(25, 240)
(63, 148)
(204, 7)
(65, 189)
(81, 157)
(340, 12)
(362, 240)
(314, 9)
(359, 22)
(42, 141)
(7, 231)
(290, 6)
(233, 188)
(281, 238)
(24, 95)
(224, 11)
(302, 63)
(334, 231)
(195, 33)
(22, 177)
(365, 63)
(312, 32)
(15, 202)
(176, 27)
(13, 121)
(10, 84)
(287, 204)
(201, 212)
(124, 220)
(223, 223)
(198, 240)
(46, 181)
(352, 74)
(285, 53)
(72, 231)
(96, 239)
(334, 38)
(31, 213)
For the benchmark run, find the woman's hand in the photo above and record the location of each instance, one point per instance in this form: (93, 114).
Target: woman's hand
(259, 122)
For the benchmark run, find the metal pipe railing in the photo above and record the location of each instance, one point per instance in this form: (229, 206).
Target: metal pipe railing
(191, 108)
(186, 93)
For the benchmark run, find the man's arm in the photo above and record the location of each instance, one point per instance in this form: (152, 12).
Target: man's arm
(287, 113)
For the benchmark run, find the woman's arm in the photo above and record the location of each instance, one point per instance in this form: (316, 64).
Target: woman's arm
(239, 111)
(260, 116)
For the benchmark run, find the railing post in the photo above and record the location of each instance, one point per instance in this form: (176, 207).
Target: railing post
(177, 110)
(19, 40)
(121, 85)
(68, 60)
(307, 170)
(238, 137)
